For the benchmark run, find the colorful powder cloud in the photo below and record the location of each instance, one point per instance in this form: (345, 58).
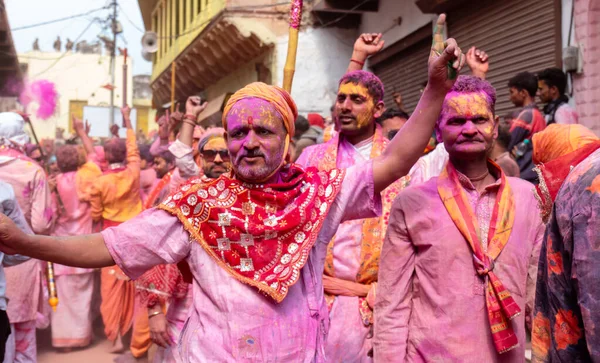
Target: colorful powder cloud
(43, 93)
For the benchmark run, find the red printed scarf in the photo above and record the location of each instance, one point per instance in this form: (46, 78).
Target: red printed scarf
(553, 173)
(260, 234)
(500, 304)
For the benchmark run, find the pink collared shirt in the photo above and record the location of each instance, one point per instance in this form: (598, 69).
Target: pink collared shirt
(430, 301)
(233, 322)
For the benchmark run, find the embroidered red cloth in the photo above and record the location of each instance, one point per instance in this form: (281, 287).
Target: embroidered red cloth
(261, 234)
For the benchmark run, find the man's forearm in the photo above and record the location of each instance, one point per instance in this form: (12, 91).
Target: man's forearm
(407, 146)
(356, 60)
(87, 251)
(88, 145)
(186, 134)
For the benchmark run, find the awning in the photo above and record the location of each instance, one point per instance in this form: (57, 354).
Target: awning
(219, 50)
(211, 116)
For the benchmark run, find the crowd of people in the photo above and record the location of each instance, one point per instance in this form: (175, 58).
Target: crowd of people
(451, 234)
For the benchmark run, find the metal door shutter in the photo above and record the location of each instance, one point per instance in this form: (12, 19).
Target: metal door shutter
(405, 72)
(519, 35)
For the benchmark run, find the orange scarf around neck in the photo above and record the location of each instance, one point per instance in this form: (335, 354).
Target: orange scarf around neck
(500, 304)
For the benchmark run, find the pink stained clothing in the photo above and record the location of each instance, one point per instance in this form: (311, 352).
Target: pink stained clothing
(232, 321)
(30, 183)
(429, 166)
(566, 115)
(177, 314)
(74, 217)
(348, 338)
(21, 343)
(430, 304)
(148, 181)
(24, 281)
(72, 321)
(157, 147)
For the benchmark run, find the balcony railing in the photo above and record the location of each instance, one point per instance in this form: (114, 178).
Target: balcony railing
(178, 23)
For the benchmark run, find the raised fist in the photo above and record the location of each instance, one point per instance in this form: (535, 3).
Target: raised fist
(368, 44)
(446, 58)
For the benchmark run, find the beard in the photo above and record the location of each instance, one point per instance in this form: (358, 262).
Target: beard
(214, 174)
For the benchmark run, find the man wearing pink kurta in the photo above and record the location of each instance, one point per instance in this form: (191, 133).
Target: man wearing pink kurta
(459, 262)
(255, 239)
(351, 264)
(72, 320)
(24, 282)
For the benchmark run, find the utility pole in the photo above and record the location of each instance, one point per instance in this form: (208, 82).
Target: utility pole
(113, 62)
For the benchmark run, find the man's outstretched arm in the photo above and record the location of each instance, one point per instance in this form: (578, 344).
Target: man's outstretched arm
(88, 251)
(407, 146)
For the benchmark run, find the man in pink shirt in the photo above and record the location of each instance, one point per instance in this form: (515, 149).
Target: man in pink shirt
(24, 282)
(255, 239)
(459, 261)
(72, 320)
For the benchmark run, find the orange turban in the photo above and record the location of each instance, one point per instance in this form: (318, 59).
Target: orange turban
(278, 97)
(559, 140)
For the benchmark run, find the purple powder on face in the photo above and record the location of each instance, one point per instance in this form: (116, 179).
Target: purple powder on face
(43, 93)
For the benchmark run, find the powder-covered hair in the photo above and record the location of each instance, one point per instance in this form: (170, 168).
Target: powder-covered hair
(472, 84)
(67, 158)
(367, 79)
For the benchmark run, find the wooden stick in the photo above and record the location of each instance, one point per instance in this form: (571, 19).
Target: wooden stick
(290, 63)
(125, 78)
(173, 67)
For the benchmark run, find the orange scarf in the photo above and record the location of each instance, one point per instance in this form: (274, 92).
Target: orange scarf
(260, 234)
(152, 199)
(500, 304)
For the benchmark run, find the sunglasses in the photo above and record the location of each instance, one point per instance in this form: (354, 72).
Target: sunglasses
(210, 155)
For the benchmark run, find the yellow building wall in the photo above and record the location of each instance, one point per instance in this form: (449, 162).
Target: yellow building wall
(172, 40)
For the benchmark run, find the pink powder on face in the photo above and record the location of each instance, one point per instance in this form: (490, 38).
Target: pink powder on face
(43, 93)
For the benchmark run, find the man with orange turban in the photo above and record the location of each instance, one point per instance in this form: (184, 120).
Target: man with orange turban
(566, 323)
(255, 238)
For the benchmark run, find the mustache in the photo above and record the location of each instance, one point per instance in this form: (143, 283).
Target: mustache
(465, 140)
(250, 154)
(349, 115)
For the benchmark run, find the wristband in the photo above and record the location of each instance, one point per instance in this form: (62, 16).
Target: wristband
(189, 122)
(190, 117)
(155, 313)
(362, 64)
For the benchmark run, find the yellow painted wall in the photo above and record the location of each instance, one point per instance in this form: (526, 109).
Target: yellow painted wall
(173, 41)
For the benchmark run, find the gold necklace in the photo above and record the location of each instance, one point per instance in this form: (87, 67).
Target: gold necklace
(481, 177)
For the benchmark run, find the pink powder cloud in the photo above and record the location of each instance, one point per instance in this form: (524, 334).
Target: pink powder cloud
(43, 93)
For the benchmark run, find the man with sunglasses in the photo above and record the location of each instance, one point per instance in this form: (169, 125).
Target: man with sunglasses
(213, 152)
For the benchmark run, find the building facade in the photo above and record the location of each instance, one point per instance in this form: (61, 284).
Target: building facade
(80, 80)
(219, 46)
(519, 35)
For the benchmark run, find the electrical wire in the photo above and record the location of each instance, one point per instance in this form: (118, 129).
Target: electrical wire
(57, 20)
(65, 53)
(343, 16)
